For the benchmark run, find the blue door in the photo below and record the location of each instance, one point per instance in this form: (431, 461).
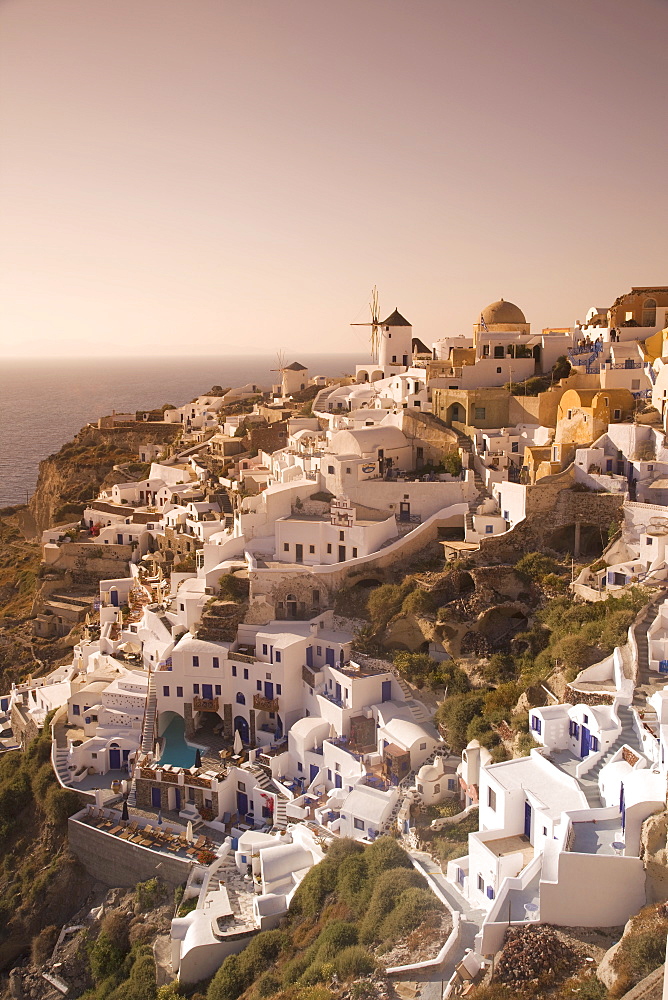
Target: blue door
(268, 689)
(177, 798)
(241, 726)
(309, 656)
(155, 798)
(329, 657)
(527, 820)
(387, 691)
(585, 744)
(313, 772)
(114, 759)
(114, 598)
(279, 727)
(207, 691)
(242, 805)
(337, 781)
(337, 692)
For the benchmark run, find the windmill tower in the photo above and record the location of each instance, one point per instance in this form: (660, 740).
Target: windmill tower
(280, 361)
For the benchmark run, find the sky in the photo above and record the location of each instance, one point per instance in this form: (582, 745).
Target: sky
(205, 176)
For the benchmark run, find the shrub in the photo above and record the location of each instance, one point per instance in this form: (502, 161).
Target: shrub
(387, 889)
(456, 713)
(336, 936)
(106, 958)
(43, 944)
(535, 565)
(354, 961)
(149, 894)
(228, 983)
(115, 926)
(411, 909)
(385, 854)
(452, 463)
(384, 602)
(418, 602)
(60, 804)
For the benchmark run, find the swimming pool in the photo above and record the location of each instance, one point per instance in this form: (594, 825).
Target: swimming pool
(175, 749)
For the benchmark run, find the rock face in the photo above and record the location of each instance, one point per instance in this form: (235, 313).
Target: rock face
(654, 850)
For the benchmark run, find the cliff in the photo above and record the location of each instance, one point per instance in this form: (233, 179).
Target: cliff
(76, 473)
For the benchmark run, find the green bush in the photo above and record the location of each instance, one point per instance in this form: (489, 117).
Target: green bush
(60, 804)
(354, 961)
(456, 713)
(536, 565)
(452, 463)
(336, 936)
(418, 602)
(387, 888)
(411, 909)
(149, 894)
(106, 958)
(384, 602)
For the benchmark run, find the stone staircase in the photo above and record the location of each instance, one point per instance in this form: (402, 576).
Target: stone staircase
(268, 785)
(62, 761)
(647, 681)
(419, 711)
(147, 734)
(589, 781)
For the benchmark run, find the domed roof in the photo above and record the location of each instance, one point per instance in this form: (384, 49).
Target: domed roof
(503, 312)
(429, 772)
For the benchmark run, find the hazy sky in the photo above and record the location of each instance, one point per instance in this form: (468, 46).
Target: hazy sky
(201, 175)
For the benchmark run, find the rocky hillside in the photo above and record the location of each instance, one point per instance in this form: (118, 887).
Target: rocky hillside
(77, 472)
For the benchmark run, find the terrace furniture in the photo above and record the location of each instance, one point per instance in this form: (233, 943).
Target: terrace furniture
(115, 829)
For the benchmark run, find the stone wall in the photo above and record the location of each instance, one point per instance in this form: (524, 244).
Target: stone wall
(119, 863)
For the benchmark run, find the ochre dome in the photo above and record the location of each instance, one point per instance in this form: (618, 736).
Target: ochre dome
(503, 312)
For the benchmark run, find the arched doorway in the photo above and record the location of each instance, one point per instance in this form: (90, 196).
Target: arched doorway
(291, 605)
(649, 312)
(241, 727)
(455, 412)
(362, 376)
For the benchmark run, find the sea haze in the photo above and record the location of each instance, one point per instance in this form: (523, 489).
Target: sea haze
(43, 403)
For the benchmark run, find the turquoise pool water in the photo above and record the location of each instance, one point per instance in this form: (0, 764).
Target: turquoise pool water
(175, 749)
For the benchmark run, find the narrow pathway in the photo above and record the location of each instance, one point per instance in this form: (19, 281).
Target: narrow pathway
(433, 980)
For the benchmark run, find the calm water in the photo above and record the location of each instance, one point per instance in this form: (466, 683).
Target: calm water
(44, 403)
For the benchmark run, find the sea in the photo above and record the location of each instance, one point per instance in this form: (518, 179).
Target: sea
(44, 402)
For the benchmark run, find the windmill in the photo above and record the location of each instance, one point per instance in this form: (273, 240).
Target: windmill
(280, 360)
(374, 324)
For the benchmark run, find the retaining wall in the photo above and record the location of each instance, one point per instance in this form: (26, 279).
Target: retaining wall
(119, 863)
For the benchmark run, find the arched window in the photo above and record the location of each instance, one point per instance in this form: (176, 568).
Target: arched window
(241, 698)
(649, 312)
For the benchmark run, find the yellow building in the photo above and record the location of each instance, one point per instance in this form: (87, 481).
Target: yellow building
(583, 415)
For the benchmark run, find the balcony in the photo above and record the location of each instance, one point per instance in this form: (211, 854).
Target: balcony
(262, 704)
(205, 704)
(240, 657)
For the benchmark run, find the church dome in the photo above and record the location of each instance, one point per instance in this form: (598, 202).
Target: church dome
(503, 312)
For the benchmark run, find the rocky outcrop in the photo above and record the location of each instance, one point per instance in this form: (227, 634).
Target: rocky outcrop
(76, 473)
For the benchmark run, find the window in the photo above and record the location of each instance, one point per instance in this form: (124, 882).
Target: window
(195, 688)
(182, 606)
(258, 685)
(234, 671)
(451, 784)
(635, 383)
(490, 892)
(329, 774)
(420, 788)
(485, 350)
(608, 465)
(650, 468)
(76, 710)
(545, 831)
(342, 536)
(515, 447)
(241, 698)
(277, 656)
(241, 786)
(570, 415)
(300, 767)
(278, 689)
(585, 719)
(216, 663)
(165, 692)
(648, 541)
(337, 767)
(179, 692)
(329, 549)
(617, 414)
(348, 470)
(354, 552)
(311, 548)
(330, 470)
(594, 744)
(437, 789)
(480, 412)
(316, 597)
(423, 746)
(358, 824)
(535, 724)
(481, 884)
(286, 547)
(268, 677)
(216, 690)
(318, 650)
(245, 673)
(489, 529)
(195, 661)
(491, 798)
(264, 649)
(499, 352)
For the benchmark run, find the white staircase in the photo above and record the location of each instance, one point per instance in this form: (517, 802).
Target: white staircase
(268, 785)
(147, 734)
(419, 711)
